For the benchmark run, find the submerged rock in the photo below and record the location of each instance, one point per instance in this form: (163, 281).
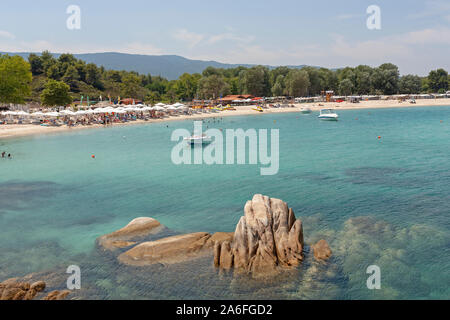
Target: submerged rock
(321, 250)
(13, 289)
(57, 295)
(130, 234)
(268, 236)
(173, 249)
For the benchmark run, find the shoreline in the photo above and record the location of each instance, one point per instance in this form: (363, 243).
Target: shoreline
(24, 130)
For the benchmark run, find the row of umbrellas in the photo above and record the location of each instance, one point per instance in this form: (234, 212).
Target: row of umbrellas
(119, 110)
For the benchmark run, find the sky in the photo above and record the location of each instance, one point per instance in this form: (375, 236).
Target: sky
(414, 34)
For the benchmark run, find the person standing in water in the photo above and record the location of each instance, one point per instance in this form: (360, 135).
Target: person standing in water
(3, 154)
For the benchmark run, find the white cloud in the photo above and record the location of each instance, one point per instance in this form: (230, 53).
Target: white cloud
(41, 45)
(427, 36)
(413, 52)
(348, 16)
(229, 36)
(6, 34)
(433, 8)
(191, 38)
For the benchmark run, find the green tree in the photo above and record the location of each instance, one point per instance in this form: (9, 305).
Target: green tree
(36, 64)
(315, 86)
(152, 97)
(278, 88)
(297, 83)
(130, 87)
(56, 93)
(15, 79)
(255, 81)
(438, 80)
(346, 87)
(390, 78)
(410, 84)
(93, 76)
(53, 72)
(213, 87)
(186, 86)
(47, 61)
(71, 77)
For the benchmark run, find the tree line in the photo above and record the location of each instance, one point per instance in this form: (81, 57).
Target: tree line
(58, 81)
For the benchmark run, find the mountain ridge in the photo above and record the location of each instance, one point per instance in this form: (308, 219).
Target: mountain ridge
(167, 66)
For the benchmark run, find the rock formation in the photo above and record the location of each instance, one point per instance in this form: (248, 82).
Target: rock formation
(57, 295)
(173, 249)
(13, 289)
(321, 250)
(130, 234)
(268, 236)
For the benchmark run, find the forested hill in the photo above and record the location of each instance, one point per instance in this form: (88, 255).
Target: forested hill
(170, 67)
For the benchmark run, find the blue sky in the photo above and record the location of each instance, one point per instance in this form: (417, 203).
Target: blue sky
(415, 34)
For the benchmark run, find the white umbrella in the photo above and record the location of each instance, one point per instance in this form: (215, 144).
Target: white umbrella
(99, 110)
(159, 105)
(38, 114)
(52, 114)
(158, 108)
(67, 113)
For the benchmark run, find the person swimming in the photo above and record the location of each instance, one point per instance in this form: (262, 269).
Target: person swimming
(9, 156)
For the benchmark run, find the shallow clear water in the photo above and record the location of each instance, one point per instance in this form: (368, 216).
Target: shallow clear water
(382, 202)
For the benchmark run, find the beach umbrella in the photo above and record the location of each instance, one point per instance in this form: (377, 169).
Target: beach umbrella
(99, 110)
(38, 114)
(68, 113)
(52, 114)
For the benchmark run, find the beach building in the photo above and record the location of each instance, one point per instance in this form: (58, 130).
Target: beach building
(236, 98)
(131, 101)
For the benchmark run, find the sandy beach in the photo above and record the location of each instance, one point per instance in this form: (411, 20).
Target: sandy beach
(13, 131)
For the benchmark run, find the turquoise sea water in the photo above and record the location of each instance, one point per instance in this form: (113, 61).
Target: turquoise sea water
(382, 202)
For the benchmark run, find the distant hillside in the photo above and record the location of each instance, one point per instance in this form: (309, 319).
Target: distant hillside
(167, 66)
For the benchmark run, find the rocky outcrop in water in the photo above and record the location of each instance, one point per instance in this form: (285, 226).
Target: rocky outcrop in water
(129, 235)
(267, 237)
(13, 289)
(321, 250)
(173, 249)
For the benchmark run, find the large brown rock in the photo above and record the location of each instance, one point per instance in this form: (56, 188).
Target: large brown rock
(268, 236)
(38, 286)
(13, 289)
(168, 250)
(130, 234)
(57, 295)
(321, 250)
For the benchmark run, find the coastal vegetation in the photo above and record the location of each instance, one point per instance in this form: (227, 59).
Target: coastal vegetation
(51, 81)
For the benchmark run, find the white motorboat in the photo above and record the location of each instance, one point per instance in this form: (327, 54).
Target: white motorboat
(328, 114)
(197, 139)
(305, 110)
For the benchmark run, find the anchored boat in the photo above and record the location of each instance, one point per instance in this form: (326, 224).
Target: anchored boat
(197, 139)
(328, 114)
